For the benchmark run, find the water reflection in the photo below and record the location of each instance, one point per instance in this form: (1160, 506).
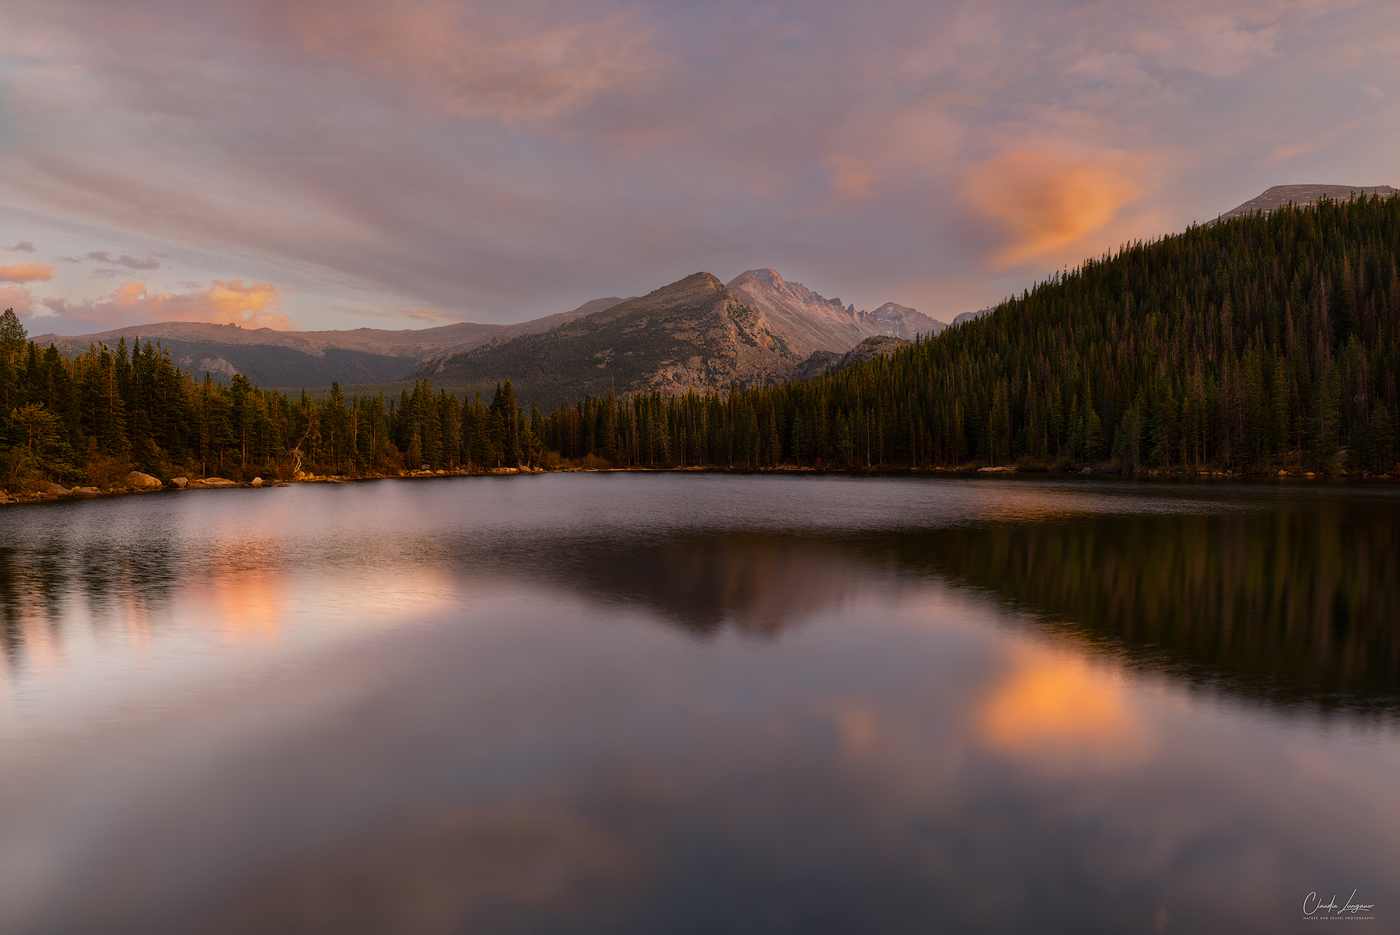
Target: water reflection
(1289, 601)
(744, 719)
(432, 874)
(1058, 701)
(758, 583)
(1296, 605)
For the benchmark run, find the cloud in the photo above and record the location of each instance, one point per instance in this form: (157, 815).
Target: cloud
(24, 246)
(257, 304)
(130, 262)
(850, 177)
(473, 59)
(19, 298)
(1044, 199)
(27, 272)
(428, 315)
(1213, 44)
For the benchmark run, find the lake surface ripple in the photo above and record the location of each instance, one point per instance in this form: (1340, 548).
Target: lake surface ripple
(701, 703)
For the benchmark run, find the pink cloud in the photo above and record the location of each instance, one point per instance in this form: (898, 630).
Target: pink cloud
(1213, 45)
(18, 298)
(27, 272)
(472, 59)
(850, 177)
(257, 304)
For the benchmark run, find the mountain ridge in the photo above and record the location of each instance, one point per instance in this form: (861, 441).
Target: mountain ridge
(1279, 196)
(692, 334)
(810, 322)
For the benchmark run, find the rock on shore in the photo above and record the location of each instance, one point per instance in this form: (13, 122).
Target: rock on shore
(143, 481)
(213, 482)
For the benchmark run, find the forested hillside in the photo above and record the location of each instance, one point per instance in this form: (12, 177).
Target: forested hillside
(1255, 344)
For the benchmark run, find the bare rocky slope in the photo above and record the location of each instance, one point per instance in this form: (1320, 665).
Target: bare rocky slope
(1280, 195)
(690, 335)
(809, 322)
(973, 316)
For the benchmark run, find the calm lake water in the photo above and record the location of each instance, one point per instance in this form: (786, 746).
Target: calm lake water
(702, 703)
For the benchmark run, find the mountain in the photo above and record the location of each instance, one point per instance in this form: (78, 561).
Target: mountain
(690, 335)
(790, 323)
(899, 321)
(809, 322)
(880, 345)
(1281, 195)
(973, 316)
(312, 358)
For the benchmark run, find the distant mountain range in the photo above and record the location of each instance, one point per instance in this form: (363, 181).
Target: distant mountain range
(692, 334)
(291, 359)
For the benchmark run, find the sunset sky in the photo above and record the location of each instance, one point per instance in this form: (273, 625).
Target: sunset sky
(346, 164)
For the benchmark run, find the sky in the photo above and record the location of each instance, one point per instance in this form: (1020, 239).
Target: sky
(314, 164)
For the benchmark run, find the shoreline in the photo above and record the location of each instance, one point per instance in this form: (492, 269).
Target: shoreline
(216, 483)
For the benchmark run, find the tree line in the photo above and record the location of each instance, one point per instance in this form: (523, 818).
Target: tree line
(101, 413)
(1259, 343)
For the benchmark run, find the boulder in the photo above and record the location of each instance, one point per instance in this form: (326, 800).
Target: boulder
(257, 482)
(206, 482)
(85, 491)
(143, 481)
(180, 482)
(50, 487)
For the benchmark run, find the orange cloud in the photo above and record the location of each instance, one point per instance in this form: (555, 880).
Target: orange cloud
(258, 304)
(27, 272)
(1044, 199)
(475, 59)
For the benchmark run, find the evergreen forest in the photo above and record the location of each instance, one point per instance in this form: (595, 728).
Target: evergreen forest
(1256, 344)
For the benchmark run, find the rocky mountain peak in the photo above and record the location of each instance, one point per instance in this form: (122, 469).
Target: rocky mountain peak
(1281, 195)
(809, 322)
(891, 309)
(768, 277)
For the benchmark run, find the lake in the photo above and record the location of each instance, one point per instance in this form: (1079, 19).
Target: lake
(701, 703)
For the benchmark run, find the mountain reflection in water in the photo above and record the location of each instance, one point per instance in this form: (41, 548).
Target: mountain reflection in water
(691, 704)
(1297, 604)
